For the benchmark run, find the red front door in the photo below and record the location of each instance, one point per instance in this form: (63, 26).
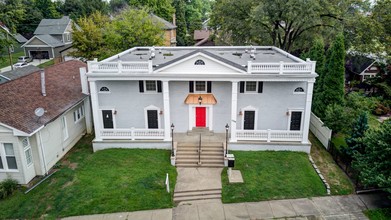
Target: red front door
(200, 116)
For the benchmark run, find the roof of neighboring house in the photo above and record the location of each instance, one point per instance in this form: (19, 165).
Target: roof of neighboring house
(52, 26)
(358, 63)
(19, 72)
(20, 38)
(167, 25)
(22, 96)
(47, 39)
(201, 34)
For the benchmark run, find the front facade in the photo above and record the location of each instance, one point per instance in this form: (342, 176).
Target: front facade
(263, 93)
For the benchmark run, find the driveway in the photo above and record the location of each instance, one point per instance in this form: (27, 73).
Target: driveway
(35, 62)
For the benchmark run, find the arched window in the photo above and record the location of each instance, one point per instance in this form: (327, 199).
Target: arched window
(104, 89)
(199, 62)
(299, 90)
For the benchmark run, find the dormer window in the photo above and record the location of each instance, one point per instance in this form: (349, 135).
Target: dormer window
(199, 62)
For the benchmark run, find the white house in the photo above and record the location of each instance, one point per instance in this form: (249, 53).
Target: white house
(42, 116)
(262, 93)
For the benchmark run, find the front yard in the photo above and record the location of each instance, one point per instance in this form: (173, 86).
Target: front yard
(272, 175)
(114, 180)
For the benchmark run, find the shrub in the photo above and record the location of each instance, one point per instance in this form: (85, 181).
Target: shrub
(381, 110)
(7, 187)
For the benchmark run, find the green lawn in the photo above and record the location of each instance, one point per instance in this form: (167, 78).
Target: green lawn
(339, 182)
(378, 214)
(272, 175)
(4, 61)
(114, 180)
(46, 64)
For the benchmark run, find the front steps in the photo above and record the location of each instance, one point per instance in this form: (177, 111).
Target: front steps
(193, 195)
(212, 154)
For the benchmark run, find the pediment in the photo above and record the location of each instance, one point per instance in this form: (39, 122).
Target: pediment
(200, 63)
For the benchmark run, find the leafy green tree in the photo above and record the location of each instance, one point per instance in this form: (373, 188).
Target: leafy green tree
(79, 8)
(338, 118)
(161, 8)
(47, 8)
(181, 31)
(355, 141)
(374, 163)
(333, 84)
(12, 13)
(29, 23)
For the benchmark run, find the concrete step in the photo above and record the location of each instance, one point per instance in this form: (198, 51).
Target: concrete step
(201, 165)
(191, 156)
(197, 195)
(192, 198)
(206, 144)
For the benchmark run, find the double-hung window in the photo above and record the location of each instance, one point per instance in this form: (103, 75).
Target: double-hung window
(7, 157)
(27, 151)
(78, 114)
(150, 86)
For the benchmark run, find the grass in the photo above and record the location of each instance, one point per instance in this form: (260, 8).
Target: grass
(272, 175)
(4, 61)
(339, 182)
(378, 214)
(114, 180)
(46, 64)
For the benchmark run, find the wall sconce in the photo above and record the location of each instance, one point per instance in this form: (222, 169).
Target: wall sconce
(240, 113)
(199, 100)
(161, 112)
(288, 113)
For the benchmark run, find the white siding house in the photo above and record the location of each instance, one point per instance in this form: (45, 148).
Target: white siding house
(263, 93)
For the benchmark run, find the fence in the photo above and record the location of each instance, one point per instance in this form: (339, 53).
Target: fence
(320, 131)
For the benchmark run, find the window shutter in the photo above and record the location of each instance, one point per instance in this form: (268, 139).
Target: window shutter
(191, 87)
(260, 87)
(141, 85)
(242, 86)
(159, 86)
(209, 87)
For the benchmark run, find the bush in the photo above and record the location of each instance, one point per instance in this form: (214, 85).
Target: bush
(7, 187)
(381, 110)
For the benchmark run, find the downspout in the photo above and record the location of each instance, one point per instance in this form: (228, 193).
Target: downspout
(43, 155)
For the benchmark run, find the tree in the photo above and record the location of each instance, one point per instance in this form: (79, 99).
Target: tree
(79, 8)
(12, 12)
(355, 140)
(374, 163)
(29, 23)
(338, 118)
(47, 8)
(181, 31)
(333, 84)
(118, 5)
(161, 8)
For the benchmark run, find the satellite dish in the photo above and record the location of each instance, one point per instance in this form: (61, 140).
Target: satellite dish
(39, 112)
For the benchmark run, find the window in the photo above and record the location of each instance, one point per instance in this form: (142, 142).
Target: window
(7, 157)
(64, 127)
(150, 86)
(299, 90)
(251, 86)
(68, 36)
(104, 89)
(27, 151)
(200, 86)
(199, 62)
(78, 114)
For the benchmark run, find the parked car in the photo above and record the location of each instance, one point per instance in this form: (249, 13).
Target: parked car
(20, 64)
(25, 59)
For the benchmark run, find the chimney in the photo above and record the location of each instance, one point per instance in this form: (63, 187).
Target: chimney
(43, 86)
(174, 19)
(84, 81)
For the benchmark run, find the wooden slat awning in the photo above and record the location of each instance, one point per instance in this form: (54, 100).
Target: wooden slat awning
(207, 99)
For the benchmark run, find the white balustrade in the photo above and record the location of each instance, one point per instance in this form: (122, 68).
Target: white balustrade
(281, 68)
(268, 135)
(132, 134)
(120, 67)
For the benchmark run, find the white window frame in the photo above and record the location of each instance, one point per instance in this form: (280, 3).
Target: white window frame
(203, 91)
(250, 108)
(64, 127)
(251, 92)
(26, 149)
(104, 91)
(152, 107)
(299, 92)
(3, 158)
(78, 114)
(145, 86)
(290, 115)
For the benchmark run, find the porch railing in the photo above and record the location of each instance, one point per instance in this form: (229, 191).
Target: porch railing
(132, 133)
(120, 67)
(269, 135)
(281, 68)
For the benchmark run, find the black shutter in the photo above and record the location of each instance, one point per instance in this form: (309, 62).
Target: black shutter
(159, 86)
(260, 87)
(141, 85)
(209, 87)
(241, 86)
(191, 87)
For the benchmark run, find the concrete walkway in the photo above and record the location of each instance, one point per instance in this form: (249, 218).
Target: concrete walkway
(327, 208)
(198, 179)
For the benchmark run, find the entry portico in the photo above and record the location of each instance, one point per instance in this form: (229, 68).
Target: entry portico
(263, 93)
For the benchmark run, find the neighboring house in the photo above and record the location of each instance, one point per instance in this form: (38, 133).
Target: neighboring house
(360, 68)
(17, 39)
(33, 140)
(169, 30)
(17, 73)
(202, 38)
(263, 93)
(50, 37)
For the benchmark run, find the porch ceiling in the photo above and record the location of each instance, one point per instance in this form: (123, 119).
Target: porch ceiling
(206, 99)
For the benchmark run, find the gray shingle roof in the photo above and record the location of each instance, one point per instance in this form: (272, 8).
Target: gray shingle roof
(52, 26)
(19, 72)
(166, 25)
(49, 40)
(20, 38)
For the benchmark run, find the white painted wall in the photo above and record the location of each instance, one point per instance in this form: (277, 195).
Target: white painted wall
(6, 136)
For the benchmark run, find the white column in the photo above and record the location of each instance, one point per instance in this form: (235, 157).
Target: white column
(307, 111)
(234, 107)
(167, 118)
(95, 110)
(88, 115)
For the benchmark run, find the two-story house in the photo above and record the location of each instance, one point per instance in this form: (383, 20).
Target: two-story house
(259, 96)
(50, 38)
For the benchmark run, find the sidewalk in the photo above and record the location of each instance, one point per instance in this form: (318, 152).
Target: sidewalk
(327, 208)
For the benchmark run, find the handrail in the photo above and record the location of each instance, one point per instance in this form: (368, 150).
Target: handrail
(199, 151)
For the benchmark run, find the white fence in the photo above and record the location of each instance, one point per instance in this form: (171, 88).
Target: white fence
(323, 133)
(132, 134)
(269, 135)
